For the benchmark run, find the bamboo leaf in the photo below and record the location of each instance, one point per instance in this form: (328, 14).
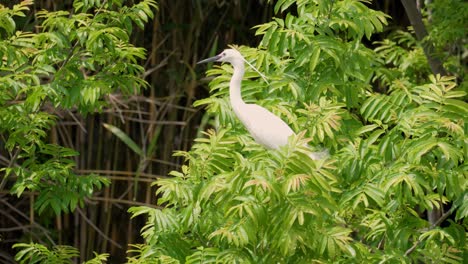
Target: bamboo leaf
(125, 138)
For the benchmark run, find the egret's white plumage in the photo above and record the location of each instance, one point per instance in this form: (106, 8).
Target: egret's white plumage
(266, 128)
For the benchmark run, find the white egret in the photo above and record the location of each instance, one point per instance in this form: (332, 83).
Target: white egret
(266, 128)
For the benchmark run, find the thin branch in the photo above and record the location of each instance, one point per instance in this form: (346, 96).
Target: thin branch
(44, 230)
(443, 217)
(10, 165)
(120, 172)
(77, 121)
(436, 223)
(133, 203)
(97, 229)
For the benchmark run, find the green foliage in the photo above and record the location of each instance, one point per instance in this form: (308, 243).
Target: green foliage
(448, 31)
(238, 202)
(37, 253)
(324, 48)
(72, 62)
(149, 254)
(397, 154)
(404, 58)
(67, 190)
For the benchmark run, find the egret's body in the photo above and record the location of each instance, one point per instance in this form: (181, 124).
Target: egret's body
(266, 128)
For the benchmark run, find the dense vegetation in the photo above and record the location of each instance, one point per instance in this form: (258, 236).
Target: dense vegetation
(392, 113)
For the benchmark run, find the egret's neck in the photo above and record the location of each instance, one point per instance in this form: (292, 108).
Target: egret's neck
(235, 85)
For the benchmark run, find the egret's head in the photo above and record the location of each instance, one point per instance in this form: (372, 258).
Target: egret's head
(228, 55)
(235, 58)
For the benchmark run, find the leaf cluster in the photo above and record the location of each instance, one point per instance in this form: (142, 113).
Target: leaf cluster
(258, 211)
(36, 253)
(397, 154)
(71, 62)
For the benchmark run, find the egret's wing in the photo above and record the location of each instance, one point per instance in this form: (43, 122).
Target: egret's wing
(266, 128)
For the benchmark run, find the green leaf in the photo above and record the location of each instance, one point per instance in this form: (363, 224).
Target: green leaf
(314, 58)
(125, 138)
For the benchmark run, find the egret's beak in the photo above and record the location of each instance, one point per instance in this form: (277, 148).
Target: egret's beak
(215, 58)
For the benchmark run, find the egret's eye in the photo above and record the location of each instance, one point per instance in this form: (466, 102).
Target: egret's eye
(224, 54)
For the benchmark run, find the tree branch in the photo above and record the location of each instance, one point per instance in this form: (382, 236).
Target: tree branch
(415, 18)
